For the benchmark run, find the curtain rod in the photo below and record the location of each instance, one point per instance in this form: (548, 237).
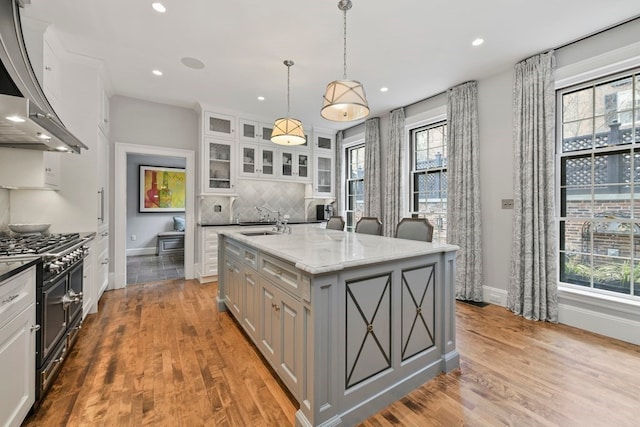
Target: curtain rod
(562, 46)
(578, 40)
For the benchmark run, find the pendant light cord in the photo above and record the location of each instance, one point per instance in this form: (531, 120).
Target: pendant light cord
(288, 63)
(344, 10)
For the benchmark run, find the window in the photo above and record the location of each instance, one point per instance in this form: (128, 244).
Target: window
(429, 176)
(599, 185)
(355, 185)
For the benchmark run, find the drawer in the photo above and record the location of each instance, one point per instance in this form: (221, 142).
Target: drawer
(211, 258)
(281, 273)
(210, 240)
(250, 257)
(232, 248)
(16, 294)
(210, 269)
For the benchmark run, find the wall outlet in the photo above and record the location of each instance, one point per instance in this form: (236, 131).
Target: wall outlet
(507, 203)
(217, 208)
(133, 237)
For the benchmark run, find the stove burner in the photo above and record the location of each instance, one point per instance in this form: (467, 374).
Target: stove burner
(36, 244)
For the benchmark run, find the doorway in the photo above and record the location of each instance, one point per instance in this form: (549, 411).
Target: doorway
(122, 150)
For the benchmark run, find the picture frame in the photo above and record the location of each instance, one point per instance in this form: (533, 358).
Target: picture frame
(162, 189)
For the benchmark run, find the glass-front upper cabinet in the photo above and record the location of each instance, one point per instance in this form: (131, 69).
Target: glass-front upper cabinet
(324, 140)
(257, 161)
(219, 125)
(294, 165)
(218, 166)
(324, 176)
(253, 131)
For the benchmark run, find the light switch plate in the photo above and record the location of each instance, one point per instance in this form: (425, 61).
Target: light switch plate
(507, 203)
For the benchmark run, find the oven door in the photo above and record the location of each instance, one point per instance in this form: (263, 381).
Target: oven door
(53, 315)
(75, 291)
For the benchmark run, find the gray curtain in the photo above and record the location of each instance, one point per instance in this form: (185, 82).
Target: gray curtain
(533, 288)
(372, 193)
(464, 222)
(392, 187)
(337, 206)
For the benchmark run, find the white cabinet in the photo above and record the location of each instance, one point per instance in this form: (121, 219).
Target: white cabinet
(257, 161)
(219, 125)
(218, 166)
(17, 347)
(324, 177)
(281, 334)
(208, 255)
(89, 284)
(295, 164)
(101, 262)
(103, 108)
(102, 169)
(250, 295)
(51, 75)
(253, 131)
(29, 169)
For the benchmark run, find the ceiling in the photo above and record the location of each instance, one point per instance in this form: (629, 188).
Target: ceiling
(415, 48)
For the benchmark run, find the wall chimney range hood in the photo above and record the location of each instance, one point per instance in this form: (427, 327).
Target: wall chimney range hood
(27, 120)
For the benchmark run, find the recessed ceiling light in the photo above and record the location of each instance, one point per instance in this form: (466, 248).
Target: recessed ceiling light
(158, 7)
(43, 135)
(61, 148)
(261, 98)
(157, 72)
(384, 89)
(477, 42)
(15, 119)
(194, 63)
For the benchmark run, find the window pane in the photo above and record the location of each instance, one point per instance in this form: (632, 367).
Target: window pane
(577, 105)
(577, 135)
(613, 96)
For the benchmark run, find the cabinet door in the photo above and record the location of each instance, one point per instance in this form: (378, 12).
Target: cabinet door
(324, 140)
(248, 130)
(17, 367)
(102, 169)
(219, 125)
(249, 163)
(324, 176)
(268, 331)
(265, 132)
(286, 163)
(218, 167)
(257, 161)
(51, 78)
(302, 166)
(250, 305)
(232, 289)
(290, 349)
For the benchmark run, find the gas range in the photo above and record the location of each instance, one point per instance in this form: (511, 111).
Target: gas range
(58, 251)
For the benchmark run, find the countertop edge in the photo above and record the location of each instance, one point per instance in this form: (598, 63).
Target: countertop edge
(23, 265)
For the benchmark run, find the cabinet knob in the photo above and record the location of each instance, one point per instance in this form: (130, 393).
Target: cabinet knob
(35, 328)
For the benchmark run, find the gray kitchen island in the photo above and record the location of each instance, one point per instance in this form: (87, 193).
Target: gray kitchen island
(349, 322)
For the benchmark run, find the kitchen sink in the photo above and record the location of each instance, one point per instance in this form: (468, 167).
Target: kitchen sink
(258, 233)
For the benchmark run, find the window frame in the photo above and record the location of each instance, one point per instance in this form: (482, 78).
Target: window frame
(439, 223)
(350, 214)
(595, 218)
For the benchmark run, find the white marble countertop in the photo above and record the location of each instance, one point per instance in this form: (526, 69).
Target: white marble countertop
(316, 250)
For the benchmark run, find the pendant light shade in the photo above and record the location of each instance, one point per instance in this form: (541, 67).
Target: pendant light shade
(344, 100)
(288, 131)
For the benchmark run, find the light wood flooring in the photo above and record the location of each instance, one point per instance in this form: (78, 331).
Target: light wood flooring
(159, 354)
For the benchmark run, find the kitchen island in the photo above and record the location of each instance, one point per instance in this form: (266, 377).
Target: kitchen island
(349, 322)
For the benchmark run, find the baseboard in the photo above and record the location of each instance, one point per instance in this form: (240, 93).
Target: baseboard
(141, 251)
(495, 296)
(614, 320)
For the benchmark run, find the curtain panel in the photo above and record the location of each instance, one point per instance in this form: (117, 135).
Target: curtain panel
(533, 287)
(394, 155)
(372, 193)
(464, 221)
(339, 203)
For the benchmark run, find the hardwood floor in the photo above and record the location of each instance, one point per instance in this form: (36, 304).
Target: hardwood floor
(159, 354)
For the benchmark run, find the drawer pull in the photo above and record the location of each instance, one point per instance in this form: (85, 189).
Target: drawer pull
(35, 328)
(279, 272)
(9, 299)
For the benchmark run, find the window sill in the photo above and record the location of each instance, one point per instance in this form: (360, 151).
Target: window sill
(609, 302)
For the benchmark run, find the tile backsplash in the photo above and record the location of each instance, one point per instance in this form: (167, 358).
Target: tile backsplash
(288, 198)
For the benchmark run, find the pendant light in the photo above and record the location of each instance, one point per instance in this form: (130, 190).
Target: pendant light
(345, 100)
(288, 131)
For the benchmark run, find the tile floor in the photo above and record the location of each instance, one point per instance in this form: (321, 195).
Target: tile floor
(152, 268)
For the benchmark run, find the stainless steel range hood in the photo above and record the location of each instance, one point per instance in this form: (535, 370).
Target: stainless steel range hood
(27, 120)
